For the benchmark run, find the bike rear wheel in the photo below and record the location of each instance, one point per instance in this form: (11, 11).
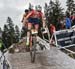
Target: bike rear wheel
(33, 50)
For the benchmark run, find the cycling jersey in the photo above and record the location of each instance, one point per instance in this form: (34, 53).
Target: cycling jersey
(34, 17)
(35, 14)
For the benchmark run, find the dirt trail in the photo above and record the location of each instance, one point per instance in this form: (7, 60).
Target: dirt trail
(49, 59)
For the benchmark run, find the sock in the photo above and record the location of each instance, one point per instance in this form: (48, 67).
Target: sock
(28, 39)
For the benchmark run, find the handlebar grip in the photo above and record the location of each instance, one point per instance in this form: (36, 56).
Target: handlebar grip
(42, 29)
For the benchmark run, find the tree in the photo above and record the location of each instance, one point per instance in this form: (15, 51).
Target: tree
(1, 32)
(11, 29)
(53, 12)
(57, 12)
(74, 8)
(48, 9)
(10, 24)
(17, 33)
(70, 6)
(5, 36)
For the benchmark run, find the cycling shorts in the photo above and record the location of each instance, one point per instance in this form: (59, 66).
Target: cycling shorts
(34, 20)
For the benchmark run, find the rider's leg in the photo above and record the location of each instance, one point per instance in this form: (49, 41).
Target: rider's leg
(36, 27)
(28, 33)
(36, 30)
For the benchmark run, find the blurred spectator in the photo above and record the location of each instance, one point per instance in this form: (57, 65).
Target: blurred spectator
(68, 22)
(62, 22)
(52, 29)
(73, 19)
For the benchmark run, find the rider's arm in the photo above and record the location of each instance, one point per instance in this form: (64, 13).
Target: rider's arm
(29, 15)
(23, 18)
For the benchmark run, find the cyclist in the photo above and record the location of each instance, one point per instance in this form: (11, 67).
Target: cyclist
(25, 14)
(24, 28)
(33, 18)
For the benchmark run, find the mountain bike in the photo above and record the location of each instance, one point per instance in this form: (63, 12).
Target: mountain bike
(36, 45)
(33, 42)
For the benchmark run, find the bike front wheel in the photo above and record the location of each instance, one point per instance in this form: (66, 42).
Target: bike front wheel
(33, 51)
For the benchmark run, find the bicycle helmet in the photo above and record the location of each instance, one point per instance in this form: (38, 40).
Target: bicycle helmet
(30, 7)
(26, 10)
(38, 8)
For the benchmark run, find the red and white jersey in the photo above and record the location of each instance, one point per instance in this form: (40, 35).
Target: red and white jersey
(35, 14)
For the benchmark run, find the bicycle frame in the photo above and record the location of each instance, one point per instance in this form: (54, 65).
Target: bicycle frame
(33, 47)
